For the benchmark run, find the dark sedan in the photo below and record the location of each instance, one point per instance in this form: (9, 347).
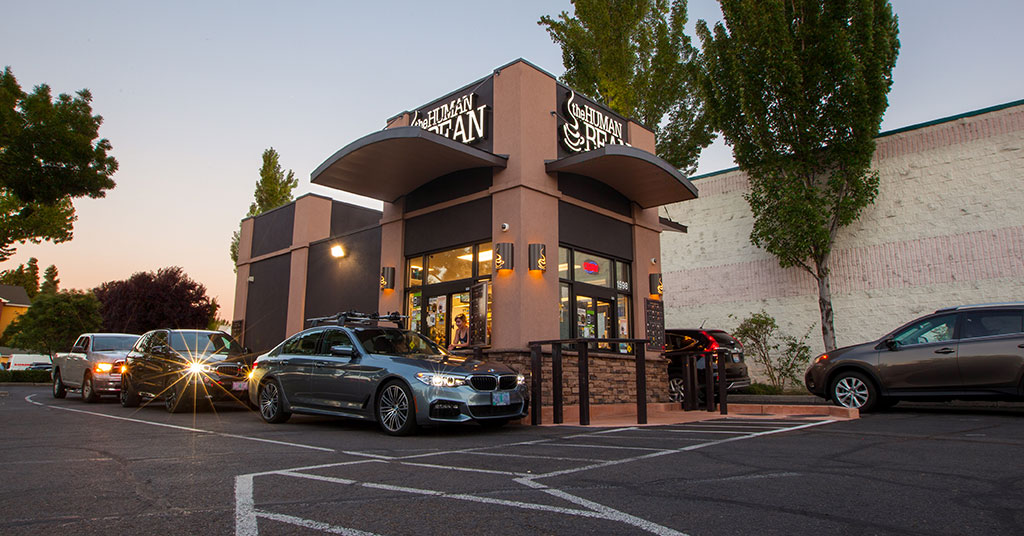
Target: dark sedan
(704, 344)
(184, 367)
(966, 352)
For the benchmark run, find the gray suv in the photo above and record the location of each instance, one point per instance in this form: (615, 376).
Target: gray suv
(966, 352)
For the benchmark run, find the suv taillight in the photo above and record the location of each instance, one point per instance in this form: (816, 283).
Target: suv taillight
(713, 344)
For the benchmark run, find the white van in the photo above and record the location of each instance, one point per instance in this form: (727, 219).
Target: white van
(23, 361)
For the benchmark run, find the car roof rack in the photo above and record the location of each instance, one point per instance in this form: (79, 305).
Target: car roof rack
(981, 306)
(356, 318)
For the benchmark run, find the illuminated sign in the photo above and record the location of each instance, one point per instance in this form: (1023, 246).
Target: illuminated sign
(587, 128)
(591, 267)
(461, 119)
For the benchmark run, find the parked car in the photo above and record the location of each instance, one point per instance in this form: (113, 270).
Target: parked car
(703, 343)
(40, 366)
(93, 365)
(393, 376)
(184, 367)
(966, 352)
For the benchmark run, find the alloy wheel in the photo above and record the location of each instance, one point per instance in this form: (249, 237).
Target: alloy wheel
(676, 389)
(393, 408)
(270, 401)
(851, 392)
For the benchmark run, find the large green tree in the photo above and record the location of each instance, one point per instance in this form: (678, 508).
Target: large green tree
(167, 298)
(25, 276)
(50, 153)
(273, 189)
(633, 56)
(798, 88)
(51, 283)
(54, 321)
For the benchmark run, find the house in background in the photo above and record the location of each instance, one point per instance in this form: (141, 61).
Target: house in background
(14, 301)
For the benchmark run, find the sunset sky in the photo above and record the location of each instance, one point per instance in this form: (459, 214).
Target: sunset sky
(192, 93)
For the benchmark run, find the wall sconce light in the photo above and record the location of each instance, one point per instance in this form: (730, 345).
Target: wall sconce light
(538, 257)
(657, 288)
(503, 256)
(252, 279)
(387, 278)
(337, 252)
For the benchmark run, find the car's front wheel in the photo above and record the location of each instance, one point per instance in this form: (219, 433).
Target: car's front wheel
(176, 398)
(129, 396)
(272, 403)
(854, 390)
(59, 390)
(89, 393)
(395, 409)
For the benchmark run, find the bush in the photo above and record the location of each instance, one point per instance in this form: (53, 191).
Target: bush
(25, 376)
(760, 389)
(783, 357)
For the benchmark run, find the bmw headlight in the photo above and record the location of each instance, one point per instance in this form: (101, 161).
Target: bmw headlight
(196, 367)
(440, 380)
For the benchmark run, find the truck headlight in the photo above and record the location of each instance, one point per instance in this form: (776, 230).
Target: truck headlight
(440, 380)
(104, 367)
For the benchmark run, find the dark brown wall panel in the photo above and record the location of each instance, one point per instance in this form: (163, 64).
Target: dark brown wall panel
(266, 308)
(346, 218)
(461, 224)
(582, 228)
(594, 192)
(448, 187)
(348, 283)
(272, 231)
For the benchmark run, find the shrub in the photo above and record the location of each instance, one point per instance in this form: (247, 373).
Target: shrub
(783, 357)
(25, 376)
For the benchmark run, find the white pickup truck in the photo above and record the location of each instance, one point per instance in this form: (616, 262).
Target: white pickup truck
(93, 365)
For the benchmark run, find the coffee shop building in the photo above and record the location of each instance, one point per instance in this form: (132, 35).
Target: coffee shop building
(513, 205)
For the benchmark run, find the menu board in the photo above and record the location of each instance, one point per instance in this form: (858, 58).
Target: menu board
(236, 329)
(654, 319)
(478, 314)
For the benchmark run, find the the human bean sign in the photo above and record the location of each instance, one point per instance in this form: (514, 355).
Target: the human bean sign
(586, 127)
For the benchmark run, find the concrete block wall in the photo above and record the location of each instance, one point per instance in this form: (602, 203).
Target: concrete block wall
(947, 228)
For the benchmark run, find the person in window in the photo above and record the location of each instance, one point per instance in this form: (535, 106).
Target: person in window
(461, 336)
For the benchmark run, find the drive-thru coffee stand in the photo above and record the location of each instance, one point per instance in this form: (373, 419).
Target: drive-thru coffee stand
(515, 210)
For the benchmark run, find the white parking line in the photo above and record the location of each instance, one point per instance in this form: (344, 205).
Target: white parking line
(177, 427)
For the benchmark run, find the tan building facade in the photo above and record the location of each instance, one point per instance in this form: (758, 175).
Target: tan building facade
(947, 228)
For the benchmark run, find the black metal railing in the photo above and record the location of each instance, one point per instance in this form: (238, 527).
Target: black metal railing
(582, 347)
(691, 394)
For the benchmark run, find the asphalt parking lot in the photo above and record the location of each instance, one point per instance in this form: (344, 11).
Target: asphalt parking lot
(67, 466)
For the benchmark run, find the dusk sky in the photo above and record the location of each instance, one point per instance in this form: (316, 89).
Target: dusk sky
(192, 93)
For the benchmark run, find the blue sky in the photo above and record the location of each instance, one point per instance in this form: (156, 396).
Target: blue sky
(193, 92)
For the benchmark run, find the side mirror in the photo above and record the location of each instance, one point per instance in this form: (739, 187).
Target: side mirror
(342, 351)
(892, 345)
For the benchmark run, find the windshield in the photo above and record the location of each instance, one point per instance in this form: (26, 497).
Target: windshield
(397, 342)
(108, 343)
(204, 342)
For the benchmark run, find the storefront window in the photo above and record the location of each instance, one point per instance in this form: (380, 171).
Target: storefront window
(594, 298)
(450, 265)
(440, 291)
(592, 270)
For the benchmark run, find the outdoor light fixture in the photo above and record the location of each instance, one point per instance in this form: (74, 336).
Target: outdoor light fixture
(657, 288)
(503, 259)
(337, 252)
(387, 278)
(538, 258)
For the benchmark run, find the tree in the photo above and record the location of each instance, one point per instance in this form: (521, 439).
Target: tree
(25, 276)
(760, 336)
(633, 56)
(54, 322)
(798, 88)
(167, 298)
(49, 155)
(274, 189)
(50, 283)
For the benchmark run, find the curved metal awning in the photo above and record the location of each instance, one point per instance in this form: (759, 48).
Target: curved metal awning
(388, 164)
(636, 174)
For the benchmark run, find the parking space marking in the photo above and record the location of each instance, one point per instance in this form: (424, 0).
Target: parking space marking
(537, 457)
(247, 513)
(179, 427)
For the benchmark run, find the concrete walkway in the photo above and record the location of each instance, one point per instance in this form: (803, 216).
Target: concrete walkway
(604, 415)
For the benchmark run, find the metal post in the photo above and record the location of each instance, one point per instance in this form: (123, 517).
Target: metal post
(722, 387)
(584, 373)
(478, 352)
(709, 384)
(535, 380)
(690, 383)
(556, 381)
(641, 383)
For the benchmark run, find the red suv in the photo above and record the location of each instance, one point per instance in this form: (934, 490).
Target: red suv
(703, 343)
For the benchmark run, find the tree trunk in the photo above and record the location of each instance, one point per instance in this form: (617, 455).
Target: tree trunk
(828, 331)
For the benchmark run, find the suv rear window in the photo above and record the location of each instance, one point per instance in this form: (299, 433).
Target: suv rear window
(988, 323)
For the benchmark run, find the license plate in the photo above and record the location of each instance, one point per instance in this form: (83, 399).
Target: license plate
(501, 399)
(239, 386)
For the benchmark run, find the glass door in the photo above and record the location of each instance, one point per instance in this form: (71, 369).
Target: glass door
(595, 319)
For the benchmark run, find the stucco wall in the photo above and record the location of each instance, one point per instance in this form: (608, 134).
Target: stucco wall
(947, 228)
